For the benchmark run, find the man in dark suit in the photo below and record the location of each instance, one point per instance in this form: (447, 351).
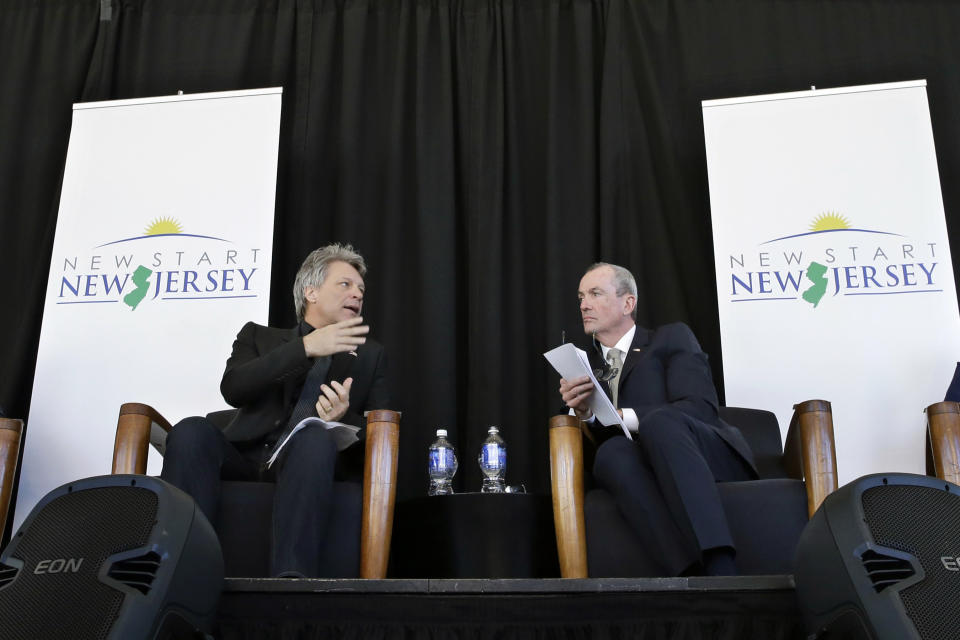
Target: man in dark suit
(664, 479)
(324, 367)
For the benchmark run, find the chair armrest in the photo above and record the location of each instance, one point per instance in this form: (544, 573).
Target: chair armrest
(810, 453)
(379, 491)
(566, 482)
(11, 431)
(943, 441)
(137, 426)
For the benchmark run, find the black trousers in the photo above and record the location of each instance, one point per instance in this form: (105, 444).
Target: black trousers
(199, 456)
(664, 483)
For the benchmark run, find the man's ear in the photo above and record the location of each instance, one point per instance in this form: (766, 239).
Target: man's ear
(310, 294)
(629, 304)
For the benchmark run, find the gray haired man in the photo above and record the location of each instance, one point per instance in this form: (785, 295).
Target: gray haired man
(664, 477)
(325, 367)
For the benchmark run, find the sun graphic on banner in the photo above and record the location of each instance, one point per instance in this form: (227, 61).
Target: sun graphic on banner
(829, 221)
(163, 226)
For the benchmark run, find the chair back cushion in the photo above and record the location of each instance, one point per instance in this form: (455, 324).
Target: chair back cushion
(765, 517)
(762, 432)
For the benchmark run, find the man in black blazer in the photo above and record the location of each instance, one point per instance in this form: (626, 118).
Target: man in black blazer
(664, 479)
(324, 367)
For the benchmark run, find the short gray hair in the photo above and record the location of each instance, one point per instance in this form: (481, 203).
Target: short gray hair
(313, 271)
(623, 281)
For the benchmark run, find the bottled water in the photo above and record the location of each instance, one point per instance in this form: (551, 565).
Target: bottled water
(441, 465)
(493, 461)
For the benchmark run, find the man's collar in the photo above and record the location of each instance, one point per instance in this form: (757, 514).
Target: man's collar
(623, 343)
(304, 328)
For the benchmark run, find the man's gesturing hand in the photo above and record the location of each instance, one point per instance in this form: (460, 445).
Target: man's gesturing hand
(339, 337)
(576, 395)
(333, 403)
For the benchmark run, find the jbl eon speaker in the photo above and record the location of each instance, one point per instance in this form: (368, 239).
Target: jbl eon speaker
(119, 556)
(881, 559)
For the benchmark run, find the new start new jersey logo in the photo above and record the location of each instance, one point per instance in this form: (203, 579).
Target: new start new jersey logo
(163, 264)
(833, 260)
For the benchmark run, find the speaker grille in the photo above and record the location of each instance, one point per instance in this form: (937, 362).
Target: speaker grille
(57, 593)
(924, 522)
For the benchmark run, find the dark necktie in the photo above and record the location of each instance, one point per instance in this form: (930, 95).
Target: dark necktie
(615, 358)
(306, 406)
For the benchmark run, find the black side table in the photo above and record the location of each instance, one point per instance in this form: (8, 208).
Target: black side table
(475, 535)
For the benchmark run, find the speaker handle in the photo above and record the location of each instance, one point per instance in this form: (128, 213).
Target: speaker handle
(810, 453)
(137, 426)
(943, 441)
(11, 431)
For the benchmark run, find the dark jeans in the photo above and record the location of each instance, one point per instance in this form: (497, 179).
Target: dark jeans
(198, 457)
(664, 483)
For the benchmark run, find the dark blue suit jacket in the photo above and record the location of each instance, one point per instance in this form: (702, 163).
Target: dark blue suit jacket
(666, 366)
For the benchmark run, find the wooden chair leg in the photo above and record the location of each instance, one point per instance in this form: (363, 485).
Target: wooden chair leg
(10, 434)
(566, 480)
(379, 492)
(943, 441)
(810, 452)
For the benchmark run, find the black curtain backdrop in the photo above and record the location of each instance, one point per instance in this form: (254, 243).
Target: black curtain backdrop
(480, 154)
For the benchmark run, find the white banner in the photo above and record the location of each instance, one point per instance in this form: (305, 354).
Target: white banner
(162, 251)
(834, 274)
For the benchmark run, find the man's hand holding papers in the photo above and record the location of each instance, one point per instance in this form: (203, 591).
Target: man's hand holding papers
(572, 363)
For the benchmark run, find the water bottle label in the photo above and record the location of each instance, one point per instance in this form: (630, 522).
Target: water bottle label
(494, 456)
(441, 459)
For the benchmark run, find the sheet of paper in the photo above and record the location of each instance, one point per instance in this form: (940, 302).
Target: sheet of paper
(571, 362)
(343, 435)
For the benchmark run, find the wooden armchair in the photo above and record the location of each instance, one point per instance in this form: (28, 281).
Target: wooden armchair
(766, 516)
(248, 503)
(943, 441)
(10, 434)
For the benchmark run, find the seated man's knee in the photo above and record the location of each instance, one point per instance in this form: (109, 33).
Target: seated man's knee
(192, 436)
(614, 456)
(660, 426)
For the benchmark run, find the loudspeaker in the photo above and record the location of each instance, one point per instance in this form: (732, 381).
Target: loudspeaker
(120, 556)
(881, 559)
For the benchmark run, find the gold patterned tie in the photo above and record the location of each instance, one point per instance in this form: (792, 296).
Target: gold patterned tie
(615, 358)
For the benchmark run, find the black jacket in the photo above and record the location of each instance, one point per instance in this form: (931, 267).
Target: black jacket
(267, 368)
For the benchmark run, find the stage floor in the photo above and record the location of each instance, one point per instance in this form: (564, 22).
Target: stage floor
(762, 607)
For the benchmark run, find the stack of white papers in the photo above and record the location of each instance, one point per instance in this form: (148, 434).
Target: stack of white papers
(344, 435)
(571, 362)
